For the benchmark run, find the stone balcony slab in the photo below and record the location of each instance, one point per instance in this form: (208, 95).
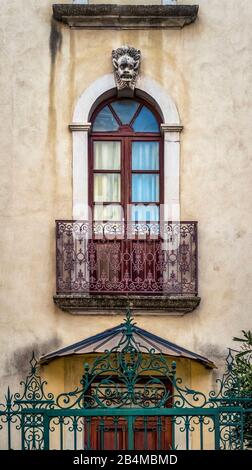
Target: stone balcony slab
(85, 16)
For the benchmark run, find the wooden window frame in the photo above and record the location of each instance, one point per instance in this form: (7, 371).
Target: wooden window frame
(126, 135)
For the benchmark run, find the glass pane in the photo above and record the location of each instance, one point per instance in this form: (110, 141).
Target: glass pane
(125, 109)
(140, 213)
(107, 155)
(107, 187)
(145, 121)
(105, 121)
(145, 188)
(145, 155)
(110, 212)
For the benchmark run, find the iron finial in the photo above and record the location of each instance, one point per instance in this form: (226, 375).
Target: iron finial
(128, 321)
(33, 363)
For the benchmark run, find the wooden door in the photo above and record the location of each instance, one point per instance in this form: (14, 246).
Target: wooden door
(150, 433)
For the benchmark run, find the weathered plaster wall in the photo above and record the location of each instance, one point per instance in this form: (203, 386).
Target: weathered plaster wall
(206, 68)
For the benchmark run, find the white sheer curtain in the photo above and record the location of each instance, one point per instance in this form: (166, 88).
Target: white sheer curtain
(145, 187)
(107, 155)
(107, 187)
(145, 155)
(108, 212)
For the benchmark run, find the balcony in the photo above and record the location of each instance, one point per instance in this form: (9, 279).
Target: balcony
(151, 267)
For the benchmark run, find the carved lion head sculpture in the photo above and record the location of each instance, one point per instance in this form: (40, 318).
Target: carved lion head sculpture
(126, 61)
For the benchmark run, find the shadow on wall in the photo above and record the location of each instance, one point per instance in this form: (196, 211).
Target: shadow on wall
(19, 362)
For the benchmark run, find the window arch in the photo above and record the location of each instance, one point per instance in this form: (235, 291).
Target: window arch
(125, 161)
(125, 112)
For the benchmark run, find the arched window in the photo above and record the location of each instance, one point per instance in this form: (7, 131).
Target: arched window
(125, 163)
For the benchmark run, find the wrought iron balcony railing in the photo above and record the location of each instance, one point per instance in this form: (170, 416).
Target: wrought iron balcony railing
(126, 258)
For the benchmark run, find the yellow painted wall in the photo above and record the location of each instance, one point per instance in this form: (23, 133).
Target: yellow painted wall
(64, 375)
(45, 66)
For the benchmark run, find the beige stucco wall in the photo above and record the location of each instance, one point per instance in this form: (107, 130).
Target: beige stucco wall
(206, 68)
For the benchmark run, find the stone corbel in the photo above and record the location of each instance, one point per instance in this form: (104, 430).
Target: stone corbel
(80, 127)
(170, 128)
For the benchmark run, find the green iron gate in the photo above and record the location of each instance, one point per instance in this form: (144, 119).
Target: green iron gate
(128, 398)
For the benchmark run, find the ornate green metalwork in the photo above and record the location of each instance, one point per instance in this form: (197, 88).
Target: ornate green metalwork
(133, 389)
(229, 396)
(130, 374)
(34, 389)
(19, 408)
(229, 385)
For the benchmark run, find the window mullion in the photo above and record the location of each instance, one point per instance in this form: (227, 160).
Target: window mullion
(128, 174)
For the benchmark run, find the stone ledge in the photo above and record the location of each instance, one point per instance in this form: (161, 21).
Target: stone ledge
(116, 304)
(125, 16)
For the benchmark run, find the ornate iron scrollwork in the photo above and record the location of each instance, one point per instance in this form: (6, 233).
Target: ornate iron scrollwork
(128, 378)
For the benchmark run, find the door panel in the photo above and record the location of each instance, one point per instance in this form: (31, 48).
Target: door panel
(108, 433)
(150, 433)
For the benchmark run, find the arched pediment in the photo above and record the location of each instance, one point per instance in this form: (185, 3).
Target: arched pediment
(104, 87)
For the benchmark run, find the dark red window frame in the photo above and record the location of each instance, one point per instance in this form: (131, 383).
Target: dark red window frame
(126, 135)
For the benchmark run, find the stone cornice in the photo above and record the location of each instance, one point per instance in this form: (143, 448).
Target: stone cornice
(100, 16)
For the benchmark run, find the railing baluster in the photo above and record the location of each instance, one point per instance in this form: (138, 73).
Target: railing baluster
(9, 415)
(159, 429)
(9, 434)
(173, 431)
(33, 426)
(115, 421)
(101, 428)
(75, 424)
(22, 431)
(187, 425)
(201, 423)
(87, 431)
(130, 421)
(46, 431)
(217, 437)
(61, 422)
(145, 419)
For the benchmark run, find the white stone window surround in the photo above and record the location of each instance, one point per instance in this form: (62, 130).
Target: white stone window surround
(100, 89)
